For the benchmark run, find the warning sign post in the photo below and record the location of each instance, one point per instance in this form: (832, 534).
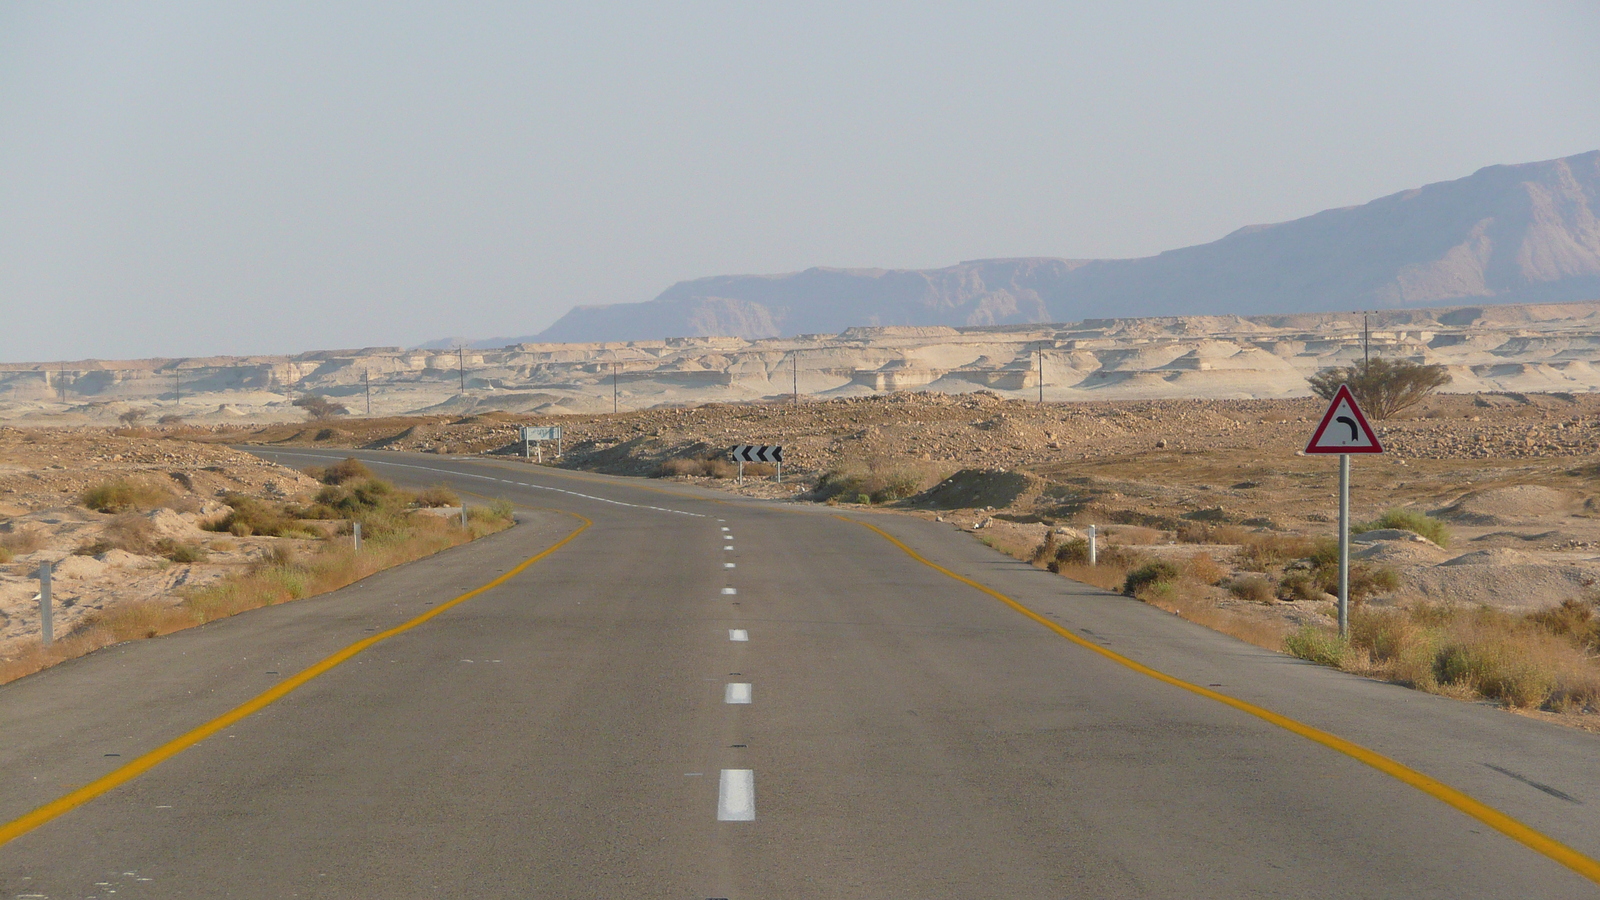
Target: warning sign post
(1344, 430)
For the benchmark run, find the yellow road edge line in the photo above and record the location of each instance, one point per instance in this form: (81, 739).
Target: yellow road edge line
(1488, 815)
(134, 768)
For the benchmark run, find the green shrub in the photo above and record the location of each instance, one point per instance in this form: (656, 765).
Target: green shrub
(1318, 645)
(122, 494)
(1150, 574)
(1407, 520)
(247, 516)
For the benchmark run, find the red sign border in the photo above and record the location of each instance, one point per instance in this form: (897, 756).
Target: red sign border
(1327, 419)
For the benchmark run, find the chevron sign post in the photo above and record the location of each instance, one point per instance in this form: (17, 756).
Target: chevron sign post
(758, 453)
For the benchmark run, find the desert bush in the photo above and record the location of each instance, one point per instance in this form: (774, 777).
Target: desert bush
(354, 498)
(133, 417)
(181, 552)
(1117, 556)
(170, 419)
(436, 496)
(1573, 619)
(681, 466)
(1045, 553)
(23, 540)
(318, 407)
(1255, 588)
(1202, 568)
(1260, 552)
(1149, 575)
(876, 484)
(1407, 520)
(123, 494)
(1070, 553)
(1383, 387)
(1318, 645)
(347, 469)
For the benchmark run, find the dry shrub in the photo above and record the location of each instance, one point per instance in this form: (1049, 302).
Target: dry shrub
(1255, 588)
(1195, 603)
(23, 540)
(1203, 533)
(1260, 552)
(1202, 568)
(681, 467)
(435, 497)
(129, 531)
(1407, 520)
(124, 494)
(876, 483)
(1109, 578)
(1150, 575)
(1136, 534)
(248, 516)
(347, 469)
(1481, 652)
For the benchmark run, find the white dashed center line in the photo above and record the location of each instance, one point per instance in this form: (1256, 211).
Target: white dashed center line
(728, 565)
(736, 693)
(736, 796)
(738, 634)
(730, 590)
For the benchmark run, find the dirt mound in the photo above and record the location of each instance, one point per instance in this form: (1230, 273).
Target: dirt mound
(1421, 552)
(1498, 556)
(1505, 505)
(1506, 586)
(980, 488)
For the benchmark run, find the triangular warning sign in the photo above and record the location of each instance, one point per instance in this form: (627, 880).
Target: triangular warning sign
(1344, 429)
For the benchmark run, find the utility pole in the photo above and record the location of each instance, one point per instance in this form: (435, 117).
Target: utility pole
(366, 381)
(796, 370)
(1366, 352)
(461, 365)
(1041, 375)
(614, 388)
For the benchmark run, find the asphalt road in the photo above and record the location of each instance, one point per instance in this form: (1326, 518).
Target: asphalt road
(593, 729)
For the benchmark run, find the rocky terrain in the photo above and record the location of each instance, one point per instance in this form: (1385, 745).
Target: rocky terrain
(43, 475)
(1549, 348)
(1505, 234)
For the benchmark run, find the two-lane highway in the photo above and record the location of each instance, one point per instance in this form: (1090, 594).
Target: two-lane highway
(703, 697)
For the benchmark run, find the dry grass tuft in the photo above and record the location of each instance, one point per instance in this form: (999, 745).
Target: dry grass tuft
(1532, 661)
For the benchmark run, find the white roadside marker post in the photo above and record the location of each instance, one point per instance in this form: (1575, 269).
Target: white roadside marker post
(46, 614)
(355, 534)
(1344, 430)
(1092, 554)
(463, 512)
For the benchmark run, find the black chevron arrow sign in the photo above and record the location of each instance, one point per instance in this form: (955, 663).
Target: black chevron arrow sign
(753, 453)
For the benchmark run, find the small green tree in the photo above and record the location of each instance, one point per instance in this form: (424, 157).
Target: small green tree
(1383, 387)
(319, 407)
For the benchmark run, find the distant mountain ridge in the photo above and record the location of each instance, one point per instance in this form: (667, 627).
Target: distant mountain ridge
(1525, 233)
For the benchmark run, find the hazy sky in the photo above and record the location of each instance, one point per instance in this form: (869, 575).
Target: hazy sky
(189, 179)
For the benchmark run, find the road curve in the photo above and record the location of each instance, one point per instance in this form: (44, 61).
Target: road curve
(706, 697)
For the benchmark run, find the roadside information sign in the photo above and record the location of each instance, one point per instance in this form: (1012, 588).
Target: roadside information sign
(538, 434)
(1344, 429)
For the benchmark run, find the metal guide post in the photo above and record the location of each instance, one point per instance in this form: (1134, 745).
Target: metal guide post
(1344, 545)
(46, 614)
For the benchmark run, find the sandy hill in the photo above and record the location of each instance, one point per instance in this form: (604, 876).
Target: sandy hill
(1505, 234)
